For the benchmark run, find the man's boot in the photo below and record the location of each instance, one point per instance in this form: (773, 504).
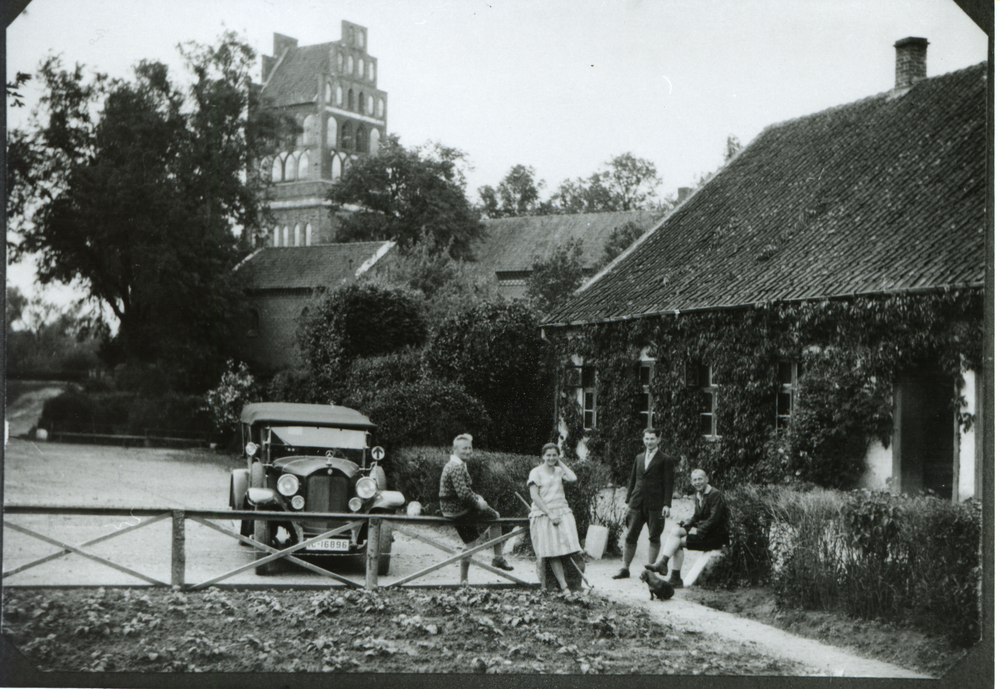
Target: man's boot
(660, 566)
(675, 579)
(626, 561)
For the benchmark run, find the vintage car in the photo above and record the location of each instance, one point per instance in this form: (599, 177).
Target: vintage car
(311, 458)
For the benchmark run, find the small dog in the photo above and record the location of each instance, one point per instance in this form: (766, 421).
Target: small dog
(658, 586)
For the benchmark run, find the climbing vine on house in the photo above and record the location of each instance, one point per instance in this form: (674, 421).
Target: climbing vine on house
(847, 354)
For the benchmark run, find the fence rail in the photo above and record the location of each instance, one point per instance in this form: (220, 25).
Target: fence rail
(148, 437)
(207, 518)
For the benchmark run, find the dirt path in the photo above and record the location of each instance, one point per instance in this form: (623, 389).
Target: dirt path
(828, 661)
(22, 414)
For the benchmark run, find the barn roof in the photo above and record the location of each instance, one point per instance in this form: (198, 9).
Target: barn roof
(884, 195)
(513, 244)
(308, 267)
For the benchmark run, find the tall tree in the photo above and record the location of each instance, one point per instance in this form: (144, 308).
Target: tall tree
(406, 194)
(517, 194)
(136, 189)
(554, 278)
(625, 183)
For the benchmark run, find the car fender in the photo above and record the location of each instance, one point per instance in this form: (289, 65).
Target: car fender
(388, 499)
(239, 482)
(263, 496)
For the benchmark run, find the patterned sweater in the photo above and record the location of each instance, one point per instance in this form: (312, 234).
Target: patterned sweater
(455, 491)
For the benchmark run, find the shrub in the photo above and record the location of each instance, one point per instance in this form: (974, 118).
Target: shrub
(224, 403)
(497, 476)
(359, 320)
(293, 385)
(868, 554)
(367, 375)
(123, 413)
(425, 412)
(496, 353)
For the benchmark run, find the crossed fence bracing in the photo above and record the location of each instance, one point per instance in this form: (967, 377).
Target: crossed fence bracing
(208, 518)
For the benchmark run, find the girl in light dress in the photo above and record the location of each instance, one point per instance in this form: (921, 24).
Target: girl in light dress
(553, 528)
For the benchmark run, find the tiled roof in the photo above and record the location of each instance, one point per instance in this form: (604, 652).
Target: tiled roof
(298, 267)
(294, 78)
(887, 194)
(512, 244)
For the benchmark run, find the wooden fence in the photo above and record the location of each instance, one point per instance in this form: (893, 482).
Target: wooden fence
(207, 518)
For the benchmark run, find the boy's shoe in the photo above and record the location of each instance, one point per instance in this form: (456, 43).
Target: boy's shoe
(501, 563)
(621, 574)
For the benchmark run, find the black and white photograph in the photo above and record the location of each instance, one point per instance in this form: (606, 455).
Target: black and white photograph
(633, 339)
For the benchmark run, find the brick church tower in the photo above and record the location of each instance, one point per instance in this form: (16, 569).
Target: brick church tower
(331, 91)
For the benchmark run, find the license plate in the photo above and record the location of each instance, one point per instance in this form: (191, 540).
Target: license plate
(338, 544)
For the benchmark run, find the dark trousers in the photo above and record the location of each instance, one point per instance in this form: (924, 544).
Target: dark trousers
(644, 517)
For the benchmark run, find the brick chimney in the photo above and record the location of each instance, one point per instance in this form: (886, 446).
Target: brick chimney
(911, 61)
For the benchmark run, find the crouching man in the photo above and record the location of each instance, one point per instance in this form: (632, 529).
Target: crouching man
(465, 507)
(705, 530)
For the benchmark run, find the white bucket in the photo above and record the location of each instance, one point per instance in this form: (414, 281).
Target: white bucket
(597, 541)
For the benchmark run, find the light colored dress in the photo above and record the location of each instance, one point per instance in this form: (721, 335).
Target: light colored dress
(548, 539)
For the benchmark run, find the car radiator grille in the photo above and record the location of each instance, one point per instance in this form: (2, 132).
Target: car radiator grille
(325, 494)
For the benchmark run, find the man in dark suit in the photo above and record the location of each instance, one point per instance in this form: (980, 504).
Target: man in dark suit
(650, 493)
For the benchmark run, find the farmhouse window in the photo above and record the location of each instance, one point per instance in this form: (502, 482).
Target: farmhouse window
(788, 379)
(708, 404)
(588, 379)
(646, 396)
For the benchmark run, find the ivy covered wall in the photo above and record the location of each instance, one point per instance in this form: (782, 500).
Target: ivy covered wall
(848, 352)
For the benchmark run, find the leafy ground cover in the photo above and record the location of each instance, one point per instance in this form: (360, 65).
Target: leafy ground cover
(462, 630)
(907, 648)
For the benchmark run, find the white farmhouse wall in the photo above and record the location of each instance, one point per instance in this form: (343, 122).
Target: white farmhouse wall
(967, 441)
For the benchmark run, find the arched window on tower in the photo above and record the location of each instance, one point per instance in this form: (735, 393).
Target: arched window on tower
(361, 102)
(303, 172)
(371, 71)
(298, 235)
(329, 92)
(284, 241)
(340, 62)
(276, 238)
(381, 107)
(361, 68)
(350, 64)
(276, 169)
(331, 132)
(350, 99)
(373, 140)
(371, 106)
(309, 130)
(335, 167)
(361, 140)
(345, 137)
(290, 167)
(309, 234)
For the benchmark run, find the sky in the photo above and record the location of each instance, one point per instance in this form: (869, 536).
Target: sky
(562, 86)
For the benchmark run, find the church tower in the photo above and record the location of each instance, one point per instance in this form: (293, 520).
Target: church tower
(331, 91)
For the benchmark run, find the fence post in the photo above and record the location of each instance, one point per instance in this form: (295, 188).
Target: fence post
(177, 549)
(371, 565)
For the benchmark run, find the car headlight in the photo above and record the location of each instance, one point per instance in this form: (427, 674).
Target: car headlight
(288, 484)
(354, 504)
(366, 488)
(298, 502)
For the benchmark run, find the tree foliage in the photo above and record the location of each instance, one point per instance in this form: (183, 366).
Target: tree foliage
(406, 194)
(135, 188)
(555, 278)
(621, 238)
(518, 194)
(358, 320)
(625, 183)
(496, 353)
